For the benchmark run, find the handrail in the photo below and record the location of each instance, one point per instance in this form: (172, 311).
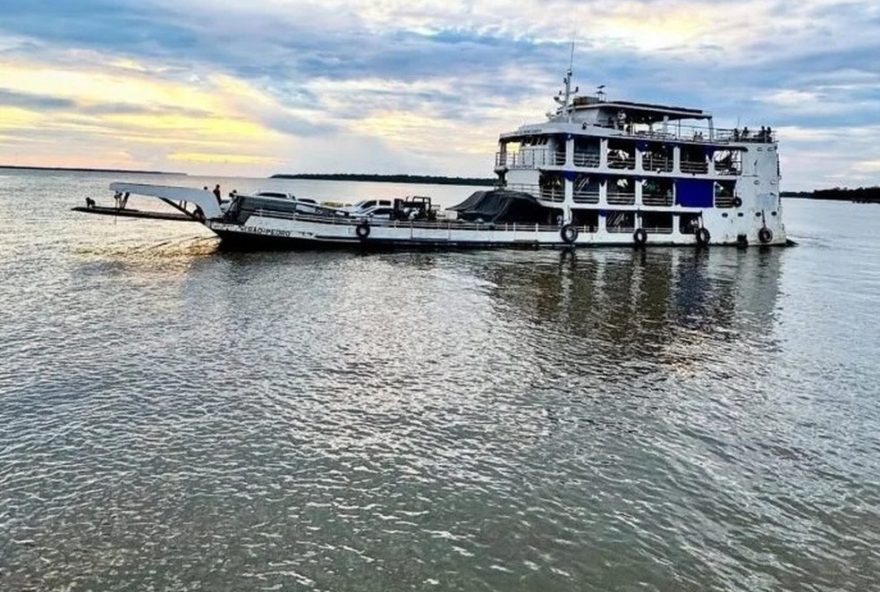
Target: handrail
(724, 201)
(586, 159)
(529, 159)
(724, 169)
(544, 193)
(699, 134)
(657, 164)
(694, 166)
(621, 163)
(656, 199)
(591, 197)
(420, 224)
(621, 199)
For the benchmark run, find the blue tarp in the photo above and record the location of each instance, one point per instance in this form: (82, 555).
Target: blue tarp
(694, 193)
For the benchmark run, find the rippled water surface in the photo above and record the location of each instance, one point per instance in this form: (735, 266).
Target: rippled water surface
(176, 417)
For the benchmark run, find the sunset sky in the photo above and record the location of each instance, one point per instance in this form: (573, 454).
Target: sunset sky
(397, 86)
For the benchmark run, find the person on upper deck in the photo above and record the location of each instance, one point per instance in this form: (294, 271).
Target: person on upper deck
(217, 194)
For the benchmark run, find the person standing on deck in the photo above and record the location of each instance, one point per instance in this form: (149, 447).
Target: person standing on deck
(217, 194)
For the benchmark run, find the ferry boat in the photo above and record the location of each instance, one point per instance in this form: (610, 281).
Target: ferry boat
(596, 172)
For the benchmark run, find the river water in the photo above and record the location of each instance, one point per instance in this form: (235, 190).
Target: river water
(176, 417)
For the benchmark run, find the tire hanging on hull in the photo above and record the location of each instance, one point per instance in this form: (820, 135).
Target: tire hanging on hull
(640, 237)
(703, 237)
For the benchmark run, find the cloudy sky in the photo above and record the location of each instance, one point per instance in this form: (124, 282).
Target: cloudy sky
(260, 86)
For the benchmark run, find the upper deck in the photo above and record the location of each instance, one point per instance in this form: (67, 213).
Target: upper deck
(594, 116)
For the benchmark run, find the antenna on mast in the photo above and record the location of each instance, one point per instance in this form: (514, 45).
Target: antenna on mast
(565, 97)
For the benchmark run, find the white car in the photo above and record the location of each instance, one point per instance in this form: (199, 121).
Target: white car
(303, 205)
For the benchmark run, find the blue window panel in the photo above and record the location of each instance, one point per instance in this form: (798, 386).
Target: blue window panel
(694, 193)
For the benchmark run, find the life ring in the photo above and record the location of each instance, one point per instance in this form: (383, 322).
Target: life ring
(569, 234)
(737, 202)
(362, 230)
(703, 237)
(640, 236)
(765, 235)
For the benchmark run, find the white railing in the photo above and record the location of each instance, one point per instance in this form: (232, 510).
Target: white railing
(657, 164)
(727, 169)
(620, 229)
(545, 193)
(437, 225)
(724, 201)
(587, 160)
(697, 133)
(621, 199)
(615, 162)
(529, 159)
(658, 229)
(656, 199)
(694, 166)
(589, 197)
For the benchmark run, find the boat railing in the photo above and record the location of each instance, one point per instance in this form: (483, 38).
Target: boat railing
(589, 197)
(694, 166)
(658, 229)
(587, 160)
(529, 159)
(620, 229)
(657, 164)
(656, 199)
(424, 224)
(697, 133)
(724, 201)
(544, 193)
(727, 169)
(621, 199)
(617, 162)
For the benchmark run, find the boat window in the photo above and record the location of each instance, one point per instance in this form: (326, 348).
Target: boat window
(772, 213)
(367, 204)
(385, 202)
(688, 223)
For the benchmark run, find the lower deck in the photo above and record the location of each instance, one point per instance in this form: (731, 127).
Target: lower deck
(603, 230)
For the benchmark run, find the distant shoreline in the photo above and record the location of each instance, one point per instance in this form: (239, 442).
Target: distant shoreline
(87, 170)
(411, 179)
(859, 195)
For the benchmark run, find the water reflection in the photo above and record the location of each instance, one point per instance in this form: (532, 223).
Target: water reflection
(664, 303)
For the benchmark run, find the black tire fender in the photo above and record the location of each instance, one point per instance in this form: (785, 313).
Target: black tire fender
(765, 235)
(737, 202)
(569, 234)
(640, 236)
(703, 237)
(362, 230)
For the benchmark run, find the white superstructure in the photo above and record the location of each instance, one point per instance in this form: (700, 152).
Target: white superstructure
(616, 166)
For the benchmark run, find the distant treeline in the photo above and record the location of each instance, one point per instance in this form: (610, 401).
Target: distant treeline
(423, 179)
(861, 194)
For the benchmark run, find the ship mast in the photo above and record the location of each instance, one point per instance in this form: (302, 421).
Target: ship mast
(566, 97)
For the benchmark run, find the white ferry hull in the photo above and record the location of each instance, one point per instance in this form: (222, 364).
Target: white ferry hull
(265, 231)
